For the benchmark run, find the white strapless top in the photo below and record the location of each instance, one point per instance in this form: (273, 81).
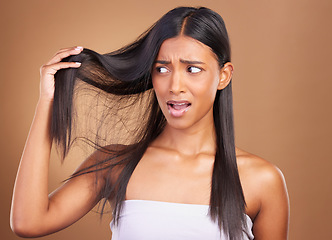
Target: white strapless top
(154, 220)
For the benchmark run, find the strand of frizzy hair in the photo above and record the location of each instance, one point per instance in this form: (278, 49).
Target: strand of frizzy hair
(98, 71)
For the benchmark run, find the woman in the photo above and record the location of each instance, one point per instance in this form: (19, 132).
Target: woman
(177, 175)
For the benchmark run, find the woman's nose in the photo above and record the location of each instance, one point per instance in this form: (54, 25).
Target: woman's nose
(177, 84)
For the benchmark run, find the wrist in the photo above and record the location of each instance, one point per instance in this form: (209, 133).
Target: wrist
(44, 102)
(45, 99)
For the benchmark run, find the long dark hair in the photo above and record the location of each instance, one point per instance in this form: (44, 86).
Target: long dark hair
(125, 80)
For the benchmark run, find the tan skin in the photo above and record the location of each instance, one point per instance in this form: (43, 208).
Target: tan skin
(185, 69)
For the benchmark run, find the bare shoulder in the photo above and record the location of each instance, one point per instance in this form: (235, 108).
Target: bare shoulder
(266, 195)
(261, 180)
(259, 170)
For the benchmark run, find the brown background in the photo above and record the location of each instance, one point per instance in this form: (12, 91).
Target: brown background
(282, 57)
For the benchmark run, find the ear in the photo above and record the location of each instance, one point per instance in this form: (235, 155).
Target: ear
(226, 73)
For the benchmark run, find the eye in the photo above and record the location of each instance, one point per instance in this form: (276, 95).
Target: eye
(193, 69)
(162, 69)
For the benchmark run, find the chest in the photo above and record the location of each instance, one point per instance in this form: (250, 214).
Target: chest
(172, 179)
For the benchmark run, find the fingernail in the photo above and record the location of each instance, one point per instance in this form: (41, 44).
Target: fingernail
(78, 63)
(78, 48)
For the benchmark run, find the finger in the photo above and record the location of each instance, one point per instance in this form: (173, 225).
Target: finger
(53, 68)
(64, 53)
(68, 48)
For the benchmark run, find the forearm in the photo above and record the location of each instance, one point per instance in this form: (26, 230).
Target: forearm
(30, 196)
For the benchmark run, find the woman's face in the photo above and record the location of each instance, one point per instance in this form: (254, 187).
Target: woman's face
(186, 77)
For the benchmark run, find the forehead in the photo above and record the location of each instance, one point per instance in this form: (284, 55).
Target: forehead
(183, 47)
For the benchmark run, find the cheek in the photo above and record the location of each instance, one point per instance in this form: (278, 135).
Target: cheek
(206, 89)
(159, 90)
(206, 97)
(158, 87)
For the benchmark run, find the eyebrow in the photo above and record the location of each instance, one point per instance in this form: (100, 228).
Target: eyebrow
(162, 61)
(181, 60)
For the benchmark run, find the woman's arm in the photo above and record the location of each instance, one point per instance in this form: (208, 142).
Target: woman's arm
(266, 196)
(272, 220)
(34, 212)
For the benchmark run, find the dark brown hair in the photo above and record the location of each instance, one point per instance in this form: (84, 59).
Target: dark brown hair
(125, 75)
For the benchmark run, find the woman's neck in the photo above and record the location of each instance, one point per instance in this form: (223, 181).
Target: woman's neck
(190, 141)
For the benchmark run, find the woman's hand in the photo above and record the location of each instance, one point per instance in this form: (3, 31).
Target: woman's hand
(48, 70)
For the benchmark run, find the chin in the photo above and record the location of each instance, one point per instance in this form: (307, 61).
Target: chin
(179, 124)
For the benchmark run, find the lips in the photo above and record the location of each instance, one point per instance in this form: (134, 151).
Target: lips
(178, 108)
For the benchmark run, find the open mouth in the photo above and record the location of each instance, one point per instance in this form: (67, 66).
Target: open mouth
(178, 108)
